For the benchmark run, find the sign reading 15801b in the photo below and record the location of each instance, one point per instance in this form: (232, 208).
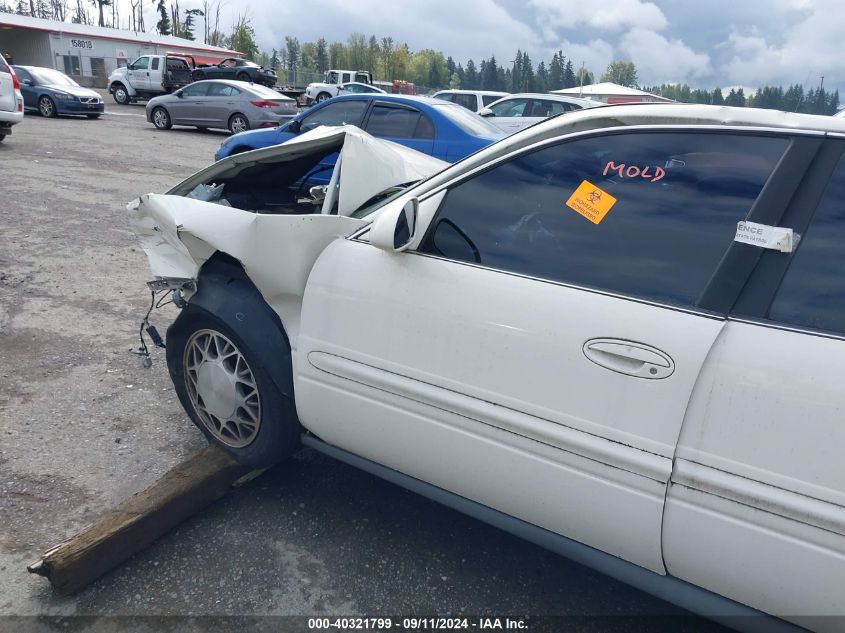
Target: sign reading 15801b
(82, 44)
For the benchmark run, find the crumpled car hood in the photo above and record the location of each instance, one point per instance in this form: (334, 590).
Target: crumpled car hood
(179, 234)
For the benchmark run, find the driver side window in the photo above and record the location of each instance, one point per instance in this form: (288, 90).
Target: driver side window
(338, 113)
(142, 63)
(642, 214)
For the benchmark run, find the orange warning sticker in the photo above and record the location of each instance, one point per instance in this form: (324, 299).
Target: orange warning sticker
(591, 202)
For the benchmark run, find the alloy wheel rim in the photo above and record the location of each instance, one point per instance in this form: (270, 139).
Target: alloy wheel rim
(160, 118)
(120, 94)
(222, 388)
(46, 107)
(238, 124)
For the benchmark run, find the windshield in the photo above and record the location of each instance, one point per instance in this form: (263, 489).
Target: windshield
(48, 77)
(468, 121)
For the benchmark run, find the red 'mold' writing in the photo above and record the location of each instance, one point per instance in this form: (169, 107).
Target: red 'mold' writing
(633, 171)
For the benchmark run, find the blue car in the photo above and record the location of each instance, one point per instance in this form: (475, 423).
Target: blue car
(51, 93)
(431, 126)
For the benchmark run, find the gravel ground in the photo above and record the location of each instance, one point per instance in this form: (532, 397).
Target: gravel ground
(83, 424)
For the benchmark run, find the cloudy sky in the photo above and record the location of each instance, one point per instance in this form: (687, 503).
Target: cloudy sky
(706, 44)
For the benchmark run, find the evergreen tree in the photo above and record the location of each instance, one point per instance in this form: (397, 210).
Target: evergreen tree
(526, 74)
(717, 98)
(471, 80)
(542, 80)
(163, 25)
(516, 74)
(793, 97)
(570, 80)
(274, 59)
(322, 55)
(556, 70)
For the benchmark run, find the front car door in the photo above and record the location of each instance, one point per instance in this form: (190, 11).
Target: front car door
(536, 347)
(30, 94)
(138, 74)
(188, 109)
(509, 115)
(756, 509)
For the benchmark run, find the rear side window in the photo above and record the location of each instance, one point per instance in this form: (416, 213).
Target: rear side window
(812, 293)
(155, 63)
(544, 108)
(488, 99)
(222, 90)
(446, 96)
(387, 122)
(3, 65)
(337, 113)
(470, 102)
(643, 214)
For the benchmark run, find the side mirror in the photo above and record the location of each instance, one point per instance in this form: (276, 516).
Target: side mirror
(294, 126)
(179, 94)
(485, 112)
(394, 229)
(26, 82)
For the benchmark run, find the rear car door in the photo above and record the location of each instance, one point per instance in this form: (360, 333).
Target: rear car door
(536, 347)
(219, 103)
(402, 124)
(756, 509)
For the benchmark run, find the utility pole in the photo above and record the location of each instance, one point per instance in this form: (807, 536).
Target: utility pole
(581, 89)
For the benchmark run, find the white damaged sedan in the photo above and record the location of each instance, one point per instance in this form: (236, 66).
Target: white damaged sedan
(619, 334)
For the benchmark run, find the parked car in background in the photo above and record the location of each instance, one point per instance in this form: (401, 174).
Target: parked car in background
(443, 130)
(150, 76)
(318, 92)
(51, 93)
(518, 111)
(238, 70)
(11, 100)
(357, 88)
(232, 105)
(601, 333)
(473, 100)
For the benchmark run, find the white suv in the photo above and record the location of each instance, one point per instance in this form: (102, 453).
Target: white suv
(473, 100)
(11, 100)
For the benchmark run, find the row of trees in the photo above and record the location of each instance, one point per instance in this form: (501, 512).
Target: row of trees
(794, 99)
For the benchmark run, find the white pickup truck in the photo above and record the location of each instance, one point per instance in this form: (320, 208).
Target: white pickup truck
(150, 76)
(332, 80)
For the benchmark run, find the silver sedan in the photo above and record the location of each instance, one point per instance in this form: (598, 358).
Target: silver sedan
(232, 105)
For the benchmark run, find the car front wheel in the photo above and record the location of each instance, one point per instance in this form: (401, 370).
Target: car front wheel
(120, 95)
(228, 394)
(238, 123)
(323, 96)
(161, 119)
(46, 107)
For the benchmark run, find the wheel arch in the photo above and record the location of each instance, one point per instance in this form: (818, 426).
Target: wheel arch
(226, 293)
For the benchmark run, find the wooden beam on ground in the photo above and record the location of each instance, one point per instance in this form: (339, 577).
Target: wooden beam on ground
(144, 517)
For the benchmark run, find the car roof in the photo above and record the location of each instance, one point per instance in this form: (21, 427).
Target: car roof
(237, 84)
(545, 95)
(472, 92)
(391, 97)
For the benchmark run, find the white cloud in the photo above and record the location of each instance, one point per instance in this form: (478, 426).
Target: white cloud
(660, 59)
(595, 55)
(612, 15)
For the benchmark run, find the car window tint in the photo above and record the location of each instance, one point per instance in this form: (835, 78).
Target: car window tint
(812, 293)
(470, 102)
(3, 65)
(511, 107)
(155, 63)
(678, 198)
(142, 63)
(546, 108)
(425, 128)
(222, 90)
(390, 122)
(337, 113)
(488, 99)
(21, 73)
(195, 90)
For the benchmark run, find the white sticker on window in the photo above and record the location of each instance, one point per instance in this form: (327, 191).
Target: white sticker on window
(765, 236)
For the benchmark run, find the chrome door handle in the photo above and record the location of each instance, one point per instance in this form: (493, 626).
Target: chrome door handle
(629, 357)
